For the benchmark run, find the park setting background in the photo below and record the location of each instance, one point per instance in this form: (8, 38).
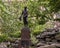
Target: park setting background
(42, 15)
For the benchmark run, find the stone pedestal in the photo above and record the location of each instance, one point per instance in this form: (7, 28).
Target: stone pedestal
(25, 38)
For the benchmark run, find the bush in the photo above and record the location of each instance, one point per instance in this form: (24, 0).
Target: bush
(3, 37)
(38, 29)
(15, 35)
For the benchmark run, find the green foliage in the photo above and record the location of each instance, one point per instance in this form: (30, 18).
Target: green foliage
(39, 11)
(38, 29)
(54, 5)
(15, 35)
(33, 39)
(3, 37)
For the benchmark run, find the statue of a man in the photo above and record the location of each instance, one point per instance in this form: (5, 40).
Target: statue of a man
(25, 15)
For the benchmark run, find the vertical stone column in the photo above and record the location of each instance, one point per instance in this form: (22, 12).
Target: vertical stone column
(25, 38)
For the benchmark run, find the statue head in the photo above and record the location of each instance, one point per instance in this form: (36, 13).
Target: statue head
(25, 8)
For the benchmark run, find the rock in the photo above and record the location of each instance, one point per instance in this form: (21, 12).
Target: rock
(8, 43)
(3, 45)
(17, 42)
(49, 43)
(40, 44)
(50, 38)
(48, 46)
(38, 37)
(54, 41)
(57, 45)
(14, 45)
(57, 37)
(50, 30)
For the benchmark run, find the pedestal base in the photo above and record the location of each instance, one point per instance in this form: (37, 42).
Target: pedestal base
(25, 38)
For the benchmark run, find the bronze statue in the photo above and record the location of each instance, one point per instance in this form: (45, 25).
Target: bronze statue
(25, 32)
(25, 15)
